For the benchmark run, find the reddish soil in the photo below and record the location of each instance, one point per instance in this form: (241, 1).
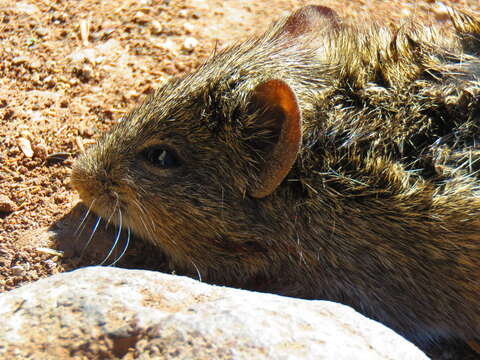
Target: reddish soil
(70, 69)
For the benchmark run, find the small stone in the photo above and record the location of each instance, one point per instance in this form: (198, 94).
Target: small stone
(41, 32)
(35, 65)
(84, 31)
(49, 81)
(83, 55)
(183, 13)
(35, 116)
(84, 73)
(19, 60)
(26, 8)
(168, 45)
(40, 150)
(188, 27)
(190, 43)
(59, 198)
(25, 133)
(140, 18)
(18, 270)
(8, 114)
(25, 146)
(7, 205)
(50, 265)
(156, 27)
(108, 47)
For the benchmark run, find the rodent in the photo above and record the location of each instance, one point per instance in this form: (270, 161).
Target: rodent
(321, 160)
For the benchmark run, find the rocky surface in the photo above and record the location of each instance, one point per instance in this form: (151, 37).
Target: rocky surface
(131, 314)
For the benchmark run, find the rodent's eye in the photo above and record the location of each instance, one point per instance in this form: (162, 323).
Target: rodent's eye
(161, 157)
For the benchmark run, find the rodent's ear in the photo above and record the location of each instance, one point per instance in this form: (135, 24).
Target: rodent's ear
(309, 19)
(468, 29)
(279, 113)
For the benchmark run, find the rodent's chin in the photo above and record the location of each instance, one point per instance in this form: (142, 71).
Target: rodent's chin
(105, 206)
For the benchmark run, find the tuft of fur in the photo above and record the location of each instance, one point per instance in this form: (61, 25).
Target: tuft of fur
(381, 210)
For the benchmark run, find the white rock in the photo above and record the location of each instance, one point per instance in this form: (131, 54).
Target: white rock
(6, 205)
(189, 27)
(18, 270)
(169, 46)
(26, 147)
(156, 27)
(190, 43)
(27, 8)
(81, 55)
(109, 312)
(183, 13)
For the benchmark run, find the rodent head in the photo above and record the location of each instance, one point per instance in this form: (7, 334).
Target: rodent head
(175, 172)
(185, 168)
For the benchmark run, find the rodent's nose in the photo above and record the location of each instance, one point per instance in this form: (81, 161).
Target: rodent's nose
(91, 182)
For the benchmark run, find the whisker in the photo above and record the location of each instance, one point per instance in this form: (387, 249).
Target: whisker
(117, 237)
(148, 226)
(198, 271)
(142, 211)
(114, 210)
(91, 236)
(124, 248)
(78, 232)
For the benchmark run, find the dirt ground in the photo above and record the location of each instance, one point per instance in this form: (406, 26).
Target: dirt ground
(70, 69)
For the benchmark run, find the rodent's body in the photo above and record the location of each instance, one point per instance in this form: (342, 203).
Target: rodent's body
(379, 204)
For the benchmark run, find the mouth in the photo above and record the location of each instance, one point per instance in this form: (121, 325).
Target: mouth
(108, 208)
(103, 204)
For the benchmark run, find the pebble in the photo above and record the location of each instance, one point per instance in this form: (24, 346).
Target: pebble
(41, 32)
(26, 8)
(36, 64)
(82, 55)
(86, 131)
(7, 205)
(156, 27)
(18, 270)
(168, 45)
(190, 43)
(18, 60)
(25, 146)
(188, 27)
(40, 150)
(59, 198)
(84, 72)
(183, 13)
(140, 18)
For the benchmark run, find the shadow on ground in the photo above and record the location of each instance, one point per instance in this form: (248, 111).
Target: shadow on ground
(85, 243)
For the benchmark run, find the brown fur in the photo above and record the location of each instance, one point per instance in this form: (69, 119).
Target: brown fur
(381, 207)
